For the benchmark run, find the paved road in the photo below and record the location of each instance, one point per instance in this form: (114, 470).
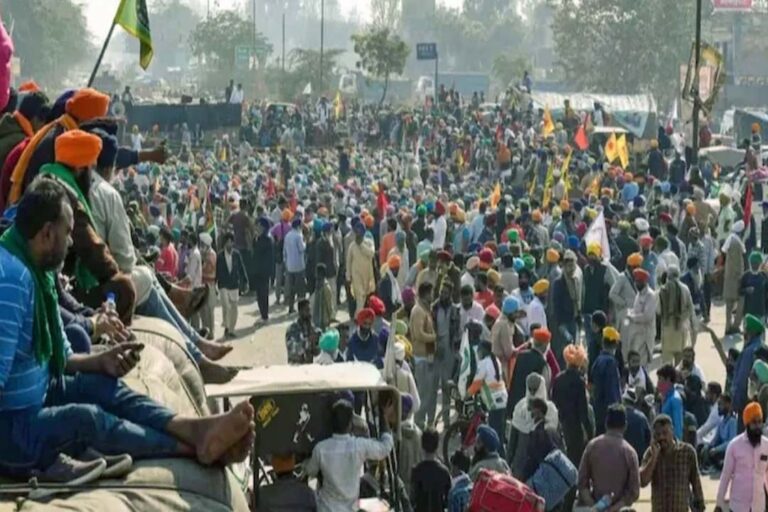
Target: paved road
(265, 345)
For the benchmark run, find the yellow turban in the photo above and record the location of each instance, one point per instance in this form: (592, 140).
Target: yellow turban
(575, 355)
(594, 248)
(541, 286)
(611, 334)
(752, 412)
(635, 259)
(494, 277)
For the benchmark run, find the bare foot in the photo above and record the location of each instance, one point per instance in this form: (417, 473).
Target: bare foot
(225, 432)
(214, 373)
(239, 451)
(213, 351)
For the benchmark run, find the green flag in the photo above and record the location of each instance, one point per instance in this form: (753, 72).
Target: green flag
(132, 15)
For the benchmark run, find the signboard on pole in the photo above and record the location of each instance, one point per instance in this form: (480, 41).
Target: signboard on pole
(426, 51)
(732, 5)
(242, 56)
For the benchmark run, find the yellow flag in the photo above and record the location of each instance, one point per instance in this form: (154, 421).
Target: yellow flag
(621, 147)
(495, 195)
(533, 185)
(338, 105)
(611, 150)
(548, 126)
(548, 184)
(564, 172)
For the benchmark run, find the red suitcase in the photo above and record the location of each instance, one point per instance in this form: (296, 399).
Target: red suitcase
(496, 492)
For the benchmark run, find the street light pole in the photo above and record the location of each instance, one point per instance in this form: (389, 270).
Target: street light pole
(696, 100)
(322, 40)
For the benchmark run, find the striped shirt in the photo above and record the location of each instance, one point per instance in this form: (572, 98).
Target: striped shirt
(23, 381)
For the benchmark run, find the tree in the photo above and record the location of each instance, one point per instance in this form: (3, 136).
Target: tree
(50, 38)
(174, 21)
(304, 64)
(508, 68)
(382, 53)
(386, 14)
(216, 38)
(624, 46)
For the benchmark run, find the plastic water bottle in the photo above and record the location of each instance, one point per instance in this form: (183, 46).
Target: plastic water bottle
(604, 502)
(111, 305)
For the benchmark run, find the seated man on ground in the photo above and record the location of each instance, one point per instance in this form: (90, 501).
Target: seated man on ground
(55, 404)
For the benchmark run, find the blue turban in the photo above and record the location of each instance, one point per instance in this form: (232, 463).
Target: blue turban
(474, 247)
(510, 305)
(296, 223)
(317, 225)
(406, 405)
(358, 228)
(59, 107)
(503, 249)
(639, 201)
(518, 264)
(573, 242)
(489, 438)
(264, 223)
(154, 211)
(630, 192)
(665, 187)
(327, 226)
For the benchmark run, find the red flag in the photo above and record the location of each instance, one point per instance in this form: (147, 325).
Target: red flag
(580, 139)
(748, 205)
(382, 202)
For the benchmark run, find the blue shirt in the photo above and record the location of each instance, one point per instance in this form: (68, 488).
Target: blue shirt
(726, 431)
(458, 496)
(673, 407)
(23, 381)
(293, 251)
(366, 351)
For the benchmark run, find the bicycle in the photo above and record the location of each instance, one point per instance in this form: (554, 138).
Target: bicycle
(461, 434)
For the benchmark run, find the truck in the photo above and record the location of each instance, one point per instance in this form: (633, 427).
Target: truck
(368, 90)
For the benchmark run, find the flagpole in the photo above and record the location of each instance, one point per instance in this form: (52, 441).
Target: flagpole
(101, 55)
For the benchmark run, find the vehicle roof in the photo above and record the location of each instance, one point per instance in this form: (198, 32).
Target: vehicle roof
(289, 379)
(609, 129)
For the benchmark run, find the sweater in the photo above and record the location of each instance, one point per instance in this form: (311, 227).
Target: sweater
(422, 326)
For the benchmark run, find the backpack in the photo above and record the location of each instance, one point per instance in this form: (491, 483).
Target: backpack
(554, 477)
(495, 492)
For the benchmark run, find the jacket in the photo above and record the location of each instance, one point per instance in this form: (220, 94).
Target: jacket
(264, 256)
(423, 335)
(235, 279)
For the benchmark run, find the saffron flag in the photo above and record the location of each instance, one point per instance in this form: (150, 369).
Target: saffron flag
(133, 16)
(611, 151)
(548, 126)
(621, 148)
(495, 195)
(580, 139)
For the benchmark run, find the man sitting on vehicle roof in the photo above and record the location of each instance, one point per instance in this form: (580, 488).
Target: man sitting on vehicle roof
(55, 404)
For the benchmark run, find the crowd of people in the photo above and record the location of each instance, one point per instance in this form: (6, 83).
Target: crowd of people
(491, 259)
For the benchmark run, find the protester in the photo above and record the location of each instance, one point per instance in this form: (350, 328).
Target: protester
(286, 492)
(670, 466)
(431, 481)
(231, 279)
(487, 453)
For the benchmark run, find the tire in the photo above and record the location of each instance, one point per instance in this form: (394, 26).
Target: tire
(453, 437)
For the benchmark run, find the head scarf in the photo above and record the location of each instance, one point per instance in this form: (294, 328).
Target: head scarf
(521, 417)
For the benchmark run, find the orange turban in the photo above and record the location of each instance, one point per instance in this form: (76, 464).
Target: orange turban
(369, 220)
(553, 256)
(752, 412)
(536, 216)
(283, 464)
(87, 104)
(77, 149)
(575, 355)
(29, 86)
(542, 335)
(286, 215)
(393, 262)
(635, 259)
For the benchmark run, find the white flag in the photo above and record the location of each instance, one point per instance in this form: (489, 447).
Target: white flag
(598, 233)
(308, 89)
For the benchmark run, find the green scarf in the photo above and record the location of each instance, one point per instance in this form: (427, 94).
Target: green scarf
(47, 334)
(85, 279)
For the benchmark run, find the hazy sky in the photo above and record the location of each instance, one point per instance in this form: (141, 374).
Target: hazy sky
(101, 12)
